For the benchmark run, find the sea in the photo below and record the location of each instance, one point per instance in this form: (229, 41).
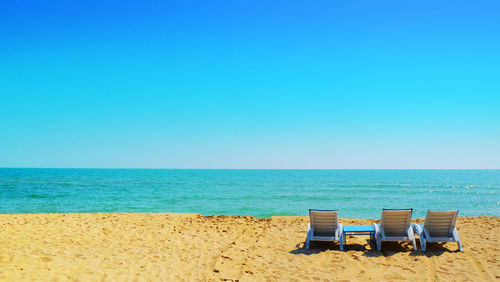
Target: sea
(258, 193)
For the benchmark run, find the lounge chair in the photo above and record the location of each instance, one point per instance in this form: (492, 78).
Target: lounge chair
(324, 226)
(394, 226)
(439, 226)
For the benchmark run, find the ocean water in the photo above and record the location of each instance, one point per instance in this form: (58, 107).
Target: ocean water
(260, 193)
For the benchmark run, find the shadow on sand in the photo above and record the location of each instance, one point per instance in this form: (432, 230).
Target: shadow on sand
(370, 250)
(315, 248)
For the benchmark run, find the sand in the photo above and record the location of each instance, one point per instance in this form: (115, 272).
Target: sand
(171, 247)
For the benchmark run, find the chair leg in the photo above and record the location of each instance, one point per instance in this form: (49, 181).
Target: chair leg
(379, 244)
(307, 241)
(423, 244)
(460, 246)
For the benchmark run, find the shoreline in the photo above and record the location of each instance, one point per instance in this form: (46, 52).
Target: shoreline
(167, 246)
(413, 219)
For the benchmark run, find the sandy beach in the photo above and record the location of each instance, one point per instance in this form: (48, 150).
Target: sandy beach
(142, 247)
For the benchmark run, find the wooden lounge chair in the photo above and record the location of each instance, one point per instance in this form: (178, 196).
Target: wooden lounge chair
(439, 226)
(324, 226)
(394, 226)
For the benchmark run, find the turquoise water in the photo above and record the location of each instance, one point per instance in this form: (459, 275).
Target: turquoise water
(261, 193)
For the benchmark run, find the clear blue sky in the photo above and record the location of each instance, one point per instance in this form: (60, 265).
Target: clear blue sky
(250, 84)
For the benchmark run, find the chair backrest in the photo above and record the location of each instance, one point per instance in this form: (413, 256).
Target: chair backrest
(440, 223)
(396, 222)
(323, 222)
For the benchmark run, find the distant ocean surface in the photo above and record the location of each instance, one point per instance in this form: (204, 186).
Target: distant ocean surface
(260, 193)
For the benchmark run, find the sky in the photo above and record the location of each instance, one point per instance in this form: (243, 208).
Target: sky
(250, 84)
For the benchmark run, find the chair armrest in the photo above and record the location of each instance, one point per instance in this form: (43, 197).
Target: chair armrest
(426, 234)
(455, 234)
(379, 231)
(411, 233)
(339, 230)
(417, 228)
(309, 231)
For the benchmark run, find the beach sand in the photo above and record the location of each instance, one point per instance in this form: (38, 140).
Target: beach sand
(171, 247)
